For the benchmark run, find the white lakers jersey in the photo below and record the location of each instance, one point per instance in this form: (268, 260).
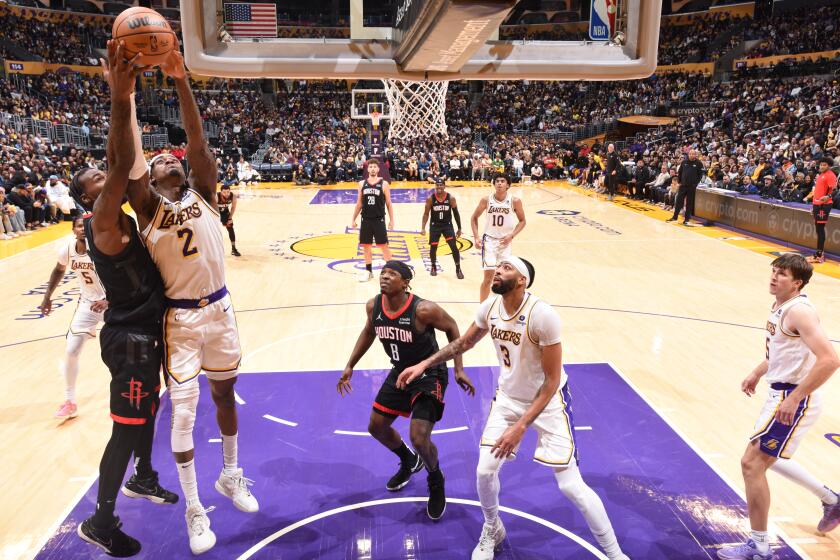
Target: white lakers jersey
(519, 339)
(185, 241)
(788, 357)
(90, 287)
(501, 218)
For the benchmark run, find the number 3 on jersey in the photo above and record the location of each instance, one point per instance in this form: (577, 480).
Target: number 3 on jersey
(188, 250)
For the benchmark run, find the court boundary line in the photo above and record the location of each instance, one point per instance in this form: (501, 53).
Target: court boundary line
(558, 306)
(385, 501)
(778, 530)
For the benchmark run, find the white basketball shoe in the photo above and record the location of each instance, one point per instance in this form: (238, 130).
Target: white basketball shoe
(235, 487)
(202, 538)
(490, 540)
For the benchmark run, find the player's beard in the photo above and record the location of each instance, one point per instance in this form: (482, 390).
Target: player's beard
(503, 286)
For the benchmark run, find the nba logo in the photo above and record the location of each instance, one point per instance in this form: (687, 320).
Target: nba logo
(602, 19)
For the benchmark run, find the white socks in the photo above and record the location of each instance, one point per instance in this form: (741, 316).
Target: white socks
(570, 483)
(70, 365)
(590, 506)
(189, 484)
(487, 483)
(762, 542)
(229, 451)
(795, 472)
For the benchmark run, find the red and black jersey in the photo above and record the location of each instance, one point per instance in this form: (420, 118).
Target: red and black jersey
(404, 344)
(441, 210)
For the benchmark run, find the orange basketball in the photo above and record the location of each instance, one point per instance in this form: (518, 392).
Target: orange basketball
(144, 31)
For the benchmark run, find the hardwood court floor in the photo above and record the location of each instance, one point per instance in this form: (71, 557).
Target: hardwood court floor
(680, 311)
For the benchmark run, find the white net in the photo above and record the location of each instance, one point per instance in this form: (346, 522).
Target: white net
(417, 108)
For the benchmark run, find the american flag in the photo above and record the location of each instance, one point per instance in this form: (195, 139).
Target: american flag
(251, 20)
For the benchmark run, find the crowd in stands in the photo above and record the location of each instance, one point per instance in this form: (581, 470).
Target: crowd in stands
(756, 136)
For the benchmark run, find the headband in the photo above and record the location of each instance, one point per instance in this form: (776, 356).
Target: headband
(400, 268)
(521, 266)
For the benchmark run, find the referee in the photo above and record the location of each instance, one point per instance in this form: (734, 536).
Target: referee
(689, 176)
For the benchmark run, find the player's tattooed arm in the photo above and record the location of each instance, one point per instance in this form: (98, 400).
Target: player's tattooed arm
(363, 343)
(204, 173)
(455, 348)
(430, 313)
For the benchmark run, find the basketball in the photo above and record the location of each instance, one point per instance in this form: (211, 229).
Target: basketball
(146, 32)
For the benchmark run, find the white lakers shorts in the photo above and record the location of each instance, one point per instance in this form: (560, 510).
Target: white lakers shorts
(84, 320)
(555, 427)
(201, 339)
(780, 440)
(492, 252)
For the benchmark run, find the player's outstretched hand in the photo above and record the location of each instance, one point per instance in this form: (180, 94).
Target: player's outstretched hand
(749, 384)
(173, 66)
(464, 382)
(344, 387)
(506, 445)
(46, 307)
(409, 374)
(120, 72)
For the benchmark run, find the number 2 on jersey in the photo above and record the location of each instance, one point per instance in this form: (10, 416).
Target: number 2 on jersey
(498, 220)
(188, 250)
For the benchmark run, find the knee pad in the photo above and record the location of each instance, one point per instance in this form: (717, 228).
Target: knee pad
(572, 485)
(488, 465)
(183, 422)
(75, 342)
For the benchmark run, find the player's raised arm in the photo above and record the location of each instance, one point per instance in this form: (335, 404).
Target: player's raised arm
(204, 173)
(366, 338)
(107, 210)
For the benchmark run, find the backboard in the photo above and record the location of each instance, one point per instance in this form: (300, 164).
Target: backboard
(370, 50)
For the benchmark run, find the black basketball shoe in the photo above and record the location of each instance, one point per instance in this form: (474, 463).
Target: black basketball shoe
(437, 496)
(401, 478)
(150, 489)
(112, 540)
